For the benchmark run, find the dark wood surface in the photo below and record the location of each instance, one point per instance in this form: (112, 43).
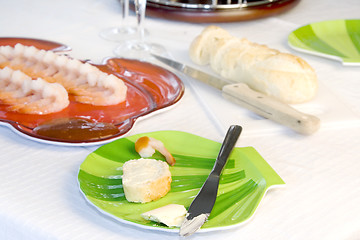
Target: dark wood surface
(218, 15)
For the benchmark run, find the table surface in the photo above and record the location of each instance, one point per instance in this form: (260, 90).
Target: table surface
(40, 198)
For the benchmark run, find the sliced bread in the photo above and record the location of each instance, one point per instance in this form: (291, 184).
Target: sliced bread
(145, 180)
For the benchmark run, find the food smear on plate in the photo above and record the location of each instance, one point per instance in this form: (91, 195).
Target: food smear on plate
(145, 180)
(24, 95)
(283, 76)
(86, 82)
(172, 215)
(76, 129)
(146, 147)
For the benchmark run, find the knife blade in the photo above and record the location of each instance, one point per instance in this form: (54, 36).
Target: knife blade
(202, 205)
(257, 102)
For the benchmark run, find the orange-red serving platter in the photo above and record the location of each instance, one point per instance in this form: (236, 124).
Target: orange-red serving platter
(38, 43)
(150, 88)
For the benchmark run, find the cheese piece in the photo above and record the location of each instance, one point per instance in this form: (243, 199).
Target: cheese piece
(171, 215)
(145, 180)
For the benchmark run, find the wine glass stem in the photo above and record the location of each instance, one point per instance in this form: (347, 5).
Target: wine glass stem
(140, 6)
(124, 5)
(125, 9)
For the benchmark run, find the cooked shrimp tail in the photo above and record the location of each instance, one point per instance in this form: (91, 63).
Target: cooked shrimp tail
(86, 82)
(146, 147)
(25, 95)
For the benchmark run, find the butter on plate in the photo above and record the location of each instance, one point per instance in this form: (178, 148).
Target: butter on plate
(171, 215)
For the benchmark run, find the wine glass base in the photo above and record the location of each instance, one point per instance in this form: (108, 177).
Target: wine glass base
(138, 50)
(118, 34)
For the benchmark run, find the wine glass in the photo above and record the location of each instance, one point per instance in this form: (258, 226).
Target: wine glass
(123, 31)
(138, 48)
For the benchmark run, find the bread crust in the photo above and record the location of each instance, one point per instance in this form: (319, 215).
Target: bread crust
(155, 184)
(199, 48)
(283, 76)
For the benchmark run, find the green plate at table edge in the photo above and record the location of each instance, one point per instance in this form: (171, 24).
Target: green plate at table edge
(244, 182)
(334, 39)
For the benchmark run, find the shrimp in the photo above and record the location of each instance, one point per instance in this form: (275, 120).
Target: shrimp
(146, 147)
(25, 95)
(86, 82)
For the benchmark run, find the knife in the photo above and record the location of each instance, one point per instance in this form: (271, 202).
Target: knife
(201, 207)
(257, 102)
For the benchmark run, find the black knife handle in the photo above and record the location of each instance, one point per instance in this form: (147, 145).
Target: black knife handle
(228, 144)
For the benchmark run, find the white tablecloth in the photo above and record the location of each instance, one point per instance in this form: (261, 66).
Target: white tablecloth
(39, 195)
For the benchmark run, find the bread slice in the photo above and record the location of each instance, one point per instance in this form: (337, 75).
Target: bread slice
(200, 48)
(145, 180)
(225, 47)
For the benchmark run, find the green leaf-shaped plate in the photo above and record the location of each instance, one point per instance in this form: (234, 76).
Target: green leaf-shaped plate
(335, 39)
(244, 181)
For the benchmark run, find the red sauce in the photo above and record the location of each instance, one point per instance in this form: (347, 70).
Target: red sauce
(76, 129)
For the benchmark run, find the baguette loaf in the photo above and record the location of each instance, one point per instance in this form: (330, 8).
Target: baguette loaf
(145, 180)
(283, 76)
